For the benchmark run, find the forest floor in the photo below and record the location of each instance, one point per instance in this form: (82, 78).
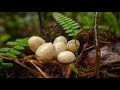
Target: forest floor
(109, 66)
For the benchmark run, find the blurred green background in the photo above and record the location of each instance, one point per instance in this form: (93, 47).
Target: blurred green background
(24, 24)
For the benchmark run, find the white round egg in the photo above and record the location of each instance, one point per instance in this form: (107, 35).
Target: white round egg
(72, 46)
(60, 47)
(60, 39)
(66, 57)
(34, 42)
(45, 52)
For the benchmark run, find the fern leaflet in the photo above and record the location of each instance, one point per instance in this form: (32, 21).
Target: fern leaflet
(4, 66)
(71, 27)
(15, 48)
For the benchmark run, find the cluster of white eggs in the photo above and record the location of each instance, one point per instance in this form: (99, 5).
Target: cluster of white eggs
(60, 49)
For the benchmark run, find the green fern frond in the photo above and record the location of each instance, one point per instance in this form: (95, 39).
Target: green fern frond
(6, 65)
(4, 49)
(24, 40)
(22, 44)
(19, 47)
(71, 27)
(1, 54)
(11, 43)
(1, 60)
(10, 55)
(12, 52)
(16, 47)
(15, 52)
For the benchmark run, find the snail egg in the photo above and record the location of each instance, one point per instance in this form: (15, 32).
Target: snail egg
(60, 47)
(72, 46)
(60, 38)
(34, 42)
(66, 57)
(45, 52)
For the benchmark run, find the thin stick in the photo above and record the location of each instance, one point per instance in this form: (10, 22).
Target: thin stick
(43, 74)
(17, 61)
(97, 62)
(89, 48)
(26, 67)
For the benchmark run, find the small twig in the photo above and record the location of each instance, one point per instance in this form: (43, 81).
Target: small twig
(43, 74)
(79, 57)
(98, 53)
(110, 62)
(90, 47)
(12, 59)
(68, 72)
(26, 67)
(17, 61)
(90, 70)
(8, 76)
(105, 73)
(87, 74)
(116, 68)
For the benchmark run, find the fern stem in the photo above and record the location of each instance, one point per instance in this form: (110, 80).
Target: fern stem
(97, 62)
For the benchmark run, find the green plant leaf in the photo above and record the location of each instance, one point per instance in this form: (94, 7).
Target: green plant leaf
(19, 40)
(70, 26)
(10, 55)
(1, 60)
(61, 23)
(16, 46)
(6, 65)
(77, 31)
(2, 54)
(4, 49)
(71, 34)
(22, 44)
(111, 19)
(4, 37)
(74, 69)
(69, 31)
(19, 47)
(118, 32)
(26, 39)
(65, 25)
(11, 43)
(66, 28)
(15, 52)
